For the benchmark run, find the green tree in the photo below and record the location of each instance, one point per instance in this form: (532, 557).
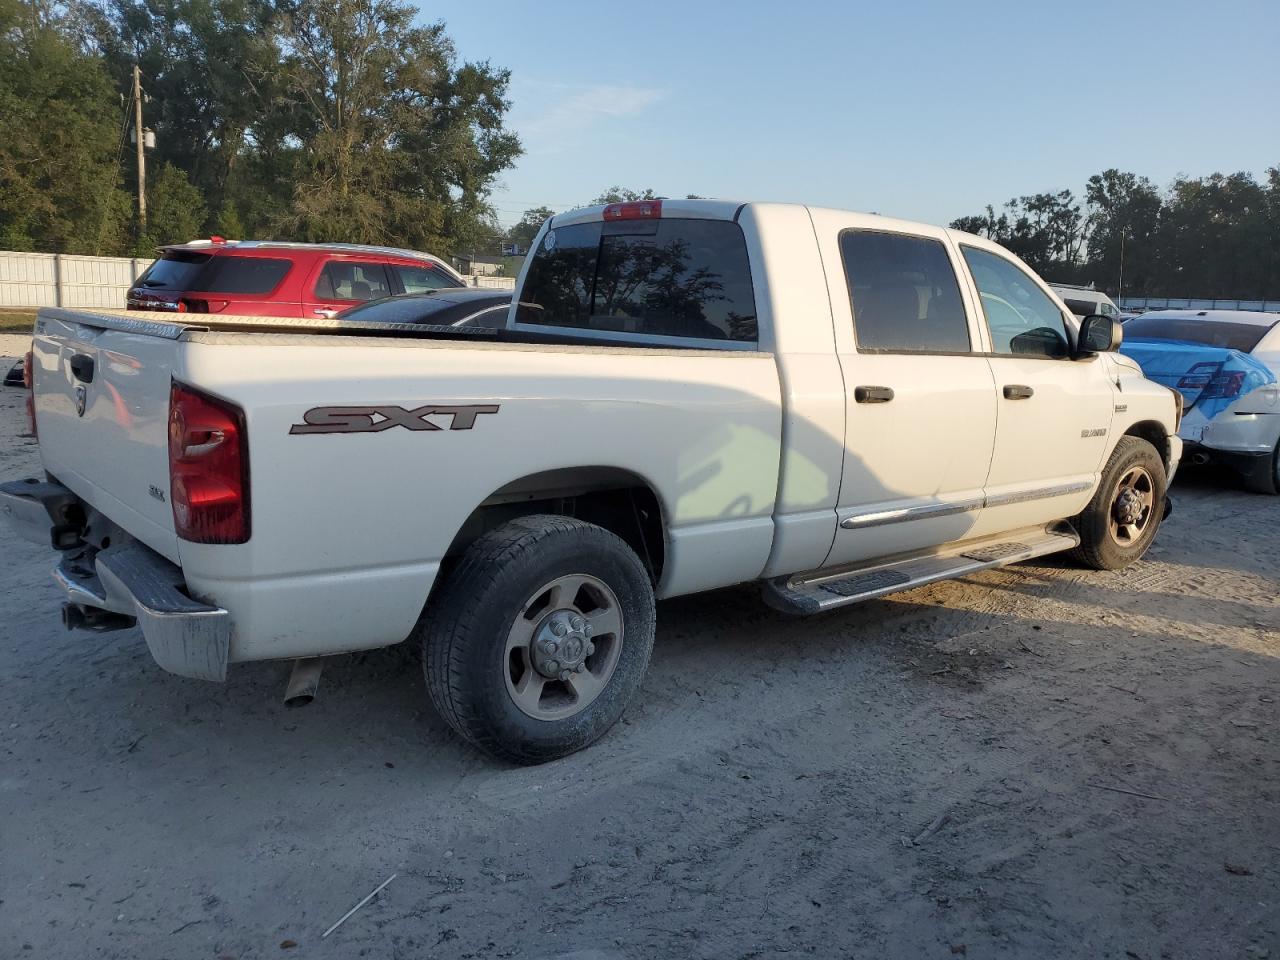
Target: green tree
(60, 135)
(210, 70)
(175, 209)
(616, 194)
(530, 223)
(397, 141)
(1125, 212)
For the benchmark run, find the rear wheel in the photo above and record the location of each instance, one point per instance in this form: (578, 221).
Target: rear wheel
(1122, 518)
(1265, 477)
(537, 641)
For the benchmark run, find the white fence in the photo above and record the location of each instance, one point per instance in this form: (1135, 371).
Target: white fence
(1191, 303)
(64, 280)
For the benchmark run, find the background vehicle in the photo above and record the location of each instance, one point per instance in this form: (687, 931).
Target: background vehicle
(687, 395)
(1225, 364)
(278, 279)
(1086, 301)
(448, 307)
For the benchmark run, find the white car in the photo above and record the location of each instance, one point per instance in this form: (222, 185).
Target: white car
(686, 395)
(1086, 301)
(1225, 363)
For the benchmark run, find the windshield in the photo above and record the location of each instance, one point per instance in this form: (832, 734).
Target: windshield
(1214, 333)
(175, 270)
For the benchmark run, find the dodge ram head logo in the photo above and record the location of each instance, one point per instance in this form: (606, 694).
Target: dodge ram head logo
(377, 419)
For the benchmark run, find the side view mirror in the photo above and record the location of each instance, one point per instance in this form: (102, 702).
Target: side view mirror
(1098, 334)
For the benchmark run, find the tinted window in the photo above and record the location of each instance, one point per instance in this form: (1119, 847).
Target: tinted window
(422, 279)
(1021, 317)
(1216, 333)
(672, 278)
(904, 294)
(243, 275)
(175, 270)
(345, 280)
(1081, 308)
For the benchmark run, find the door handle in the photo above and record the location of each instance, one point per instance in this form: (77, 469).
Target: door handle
(1016, 391)
(872, 394)
(82, 367)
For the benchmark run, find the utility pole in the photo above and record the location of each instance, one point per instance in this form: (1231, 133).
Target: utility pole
(1120, 291)
(141, 137)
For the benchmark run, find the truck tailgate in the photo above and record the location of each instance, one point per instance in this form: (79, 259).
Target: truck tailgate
(102, 408)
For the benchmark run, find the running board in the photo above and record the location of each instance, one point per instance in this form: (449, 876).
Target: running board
(826, 590)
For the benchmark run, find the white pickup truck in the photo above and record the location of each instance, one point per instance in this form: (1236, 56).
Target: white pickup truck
(686, 395)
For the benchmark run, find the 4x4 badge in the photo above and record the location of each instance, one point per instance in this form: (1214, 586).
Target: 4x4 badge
(81, 398)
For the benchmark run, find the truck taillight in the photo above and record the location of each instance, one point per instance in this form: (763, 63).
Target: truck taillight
(208, 467)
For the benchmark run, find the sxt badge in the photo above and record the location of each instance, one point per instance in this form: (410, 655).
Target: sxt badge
(377, 419)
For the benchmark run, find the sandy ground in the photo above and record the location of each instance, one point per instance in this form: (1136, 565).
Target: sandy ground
(1103, 749)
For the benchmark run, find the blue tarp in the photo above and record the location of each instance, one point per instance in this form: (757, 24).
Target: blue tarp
(1209, 378)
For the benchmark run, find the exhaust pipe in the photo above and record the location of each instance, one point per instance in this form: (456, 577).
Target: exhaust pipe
(76, 617)
(303, 682)
(1199, 458)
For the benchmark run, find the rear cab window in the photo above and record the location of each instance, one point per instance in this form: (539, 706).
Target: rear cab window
(673, 281)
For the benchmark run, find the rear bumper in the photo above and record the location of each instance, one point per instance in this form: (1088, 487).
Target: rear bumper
(1241, 462)
(185, 636)
(1234, 433)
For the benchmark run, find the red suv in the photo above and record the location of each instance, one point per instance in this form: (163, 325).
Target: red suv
(276, 279)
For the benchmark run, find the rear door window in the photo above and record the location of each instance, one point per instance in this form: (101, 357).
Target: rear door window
(1023, 320)
(904, 294)
(352, 280)
(422, 279)
(250, 275)
(670, 278)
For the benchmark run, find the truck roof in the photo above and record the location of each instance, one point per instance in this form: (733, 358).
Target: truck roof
(730, 209)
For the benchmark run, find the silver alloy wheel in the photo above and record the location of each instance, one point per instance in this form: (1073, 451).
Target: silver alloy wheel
(563, 647)
(1132, 506)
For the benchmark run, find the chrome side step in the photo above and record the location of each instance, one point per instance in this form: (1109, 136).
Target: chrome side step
(825, 590)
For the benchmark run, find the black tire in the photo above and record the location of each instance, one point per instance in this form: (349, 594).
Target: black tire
(1098, 548)
(465, 631)
(1265, 476)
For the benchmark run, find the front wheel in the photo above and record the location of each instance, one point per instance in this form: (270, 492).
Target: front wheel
(537, 641)
(1121, 520)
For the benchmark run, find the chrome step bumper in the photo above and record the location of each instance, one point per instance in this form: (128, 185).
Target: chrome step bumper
(185, 636)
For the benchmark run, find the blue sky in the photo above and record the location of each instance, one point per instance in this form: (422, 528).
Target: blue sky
(923, 110)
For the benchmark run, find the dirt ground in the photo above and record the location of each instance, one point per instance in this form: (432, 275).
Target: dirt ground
(1101, 750)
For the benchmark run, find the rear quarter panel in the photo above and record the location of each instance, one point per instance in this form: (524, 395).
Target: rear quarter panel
(349, 528)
